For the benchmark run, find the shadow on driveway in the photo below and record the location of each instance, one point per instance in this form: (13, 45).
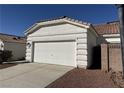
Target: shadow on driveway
(6, 65)
(11, 64)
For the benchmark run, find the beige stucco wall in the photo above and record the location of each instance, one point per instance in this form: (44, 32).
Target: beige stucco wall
(18, 49)
(111, 57)
(115, 59)
(59, 29)
(91, 43)
(59, 33)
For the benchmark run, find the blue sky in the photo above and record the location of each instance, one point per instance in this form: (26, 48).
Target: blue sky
(15, 19)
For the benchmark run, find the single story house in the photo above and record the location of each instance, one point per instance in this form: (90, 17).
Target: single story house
(63, 41)
(16, 44)
(110, 31)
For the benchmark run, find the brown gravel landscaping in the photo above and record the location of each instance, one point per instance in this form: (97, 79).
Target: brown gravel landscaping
(117, 79)
(80, 78)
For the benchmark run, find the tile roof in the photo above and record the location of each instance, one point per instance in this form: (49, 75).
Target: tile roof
(12, 38)
(67, 18)
(108, 28)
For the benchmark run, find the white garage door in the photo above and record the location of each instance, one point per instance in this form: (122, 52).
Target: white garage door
(62, 53)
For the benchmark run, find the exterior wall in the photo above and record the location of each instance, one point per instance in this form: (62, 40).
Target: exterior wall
(60, 29)
(92, 42)
(104, 57)
(61, 33)
(111, 57)
(18, 49)
(115, 60)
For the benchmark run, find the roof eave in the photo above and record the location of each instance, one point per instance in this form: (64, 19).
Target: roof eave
(53, 22)
(96, 33)
(30, 28)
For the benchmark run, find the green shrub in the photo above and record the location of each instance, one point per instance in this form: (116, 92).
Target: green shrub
(5, 55)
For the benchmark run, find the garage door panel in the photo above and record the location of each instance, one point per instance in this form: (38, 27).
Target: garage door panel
(62, 53)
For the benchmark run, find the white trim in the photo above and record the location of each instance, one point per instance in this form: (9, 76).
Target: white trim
(111, 35)
(31, 27)
(77, 24)
(113, 40)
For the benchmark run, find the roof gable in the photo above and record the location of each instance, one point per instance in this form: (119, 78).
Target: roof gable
(61, 20)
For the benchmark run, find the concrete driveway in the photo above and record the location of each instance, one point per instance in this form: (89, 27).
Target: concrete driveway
(31, 75)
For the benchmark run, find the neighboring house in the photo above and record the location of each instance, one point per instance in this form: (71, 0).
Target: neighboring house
(110, 51)
(16, 44)
(110, 31)
(62, 41)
